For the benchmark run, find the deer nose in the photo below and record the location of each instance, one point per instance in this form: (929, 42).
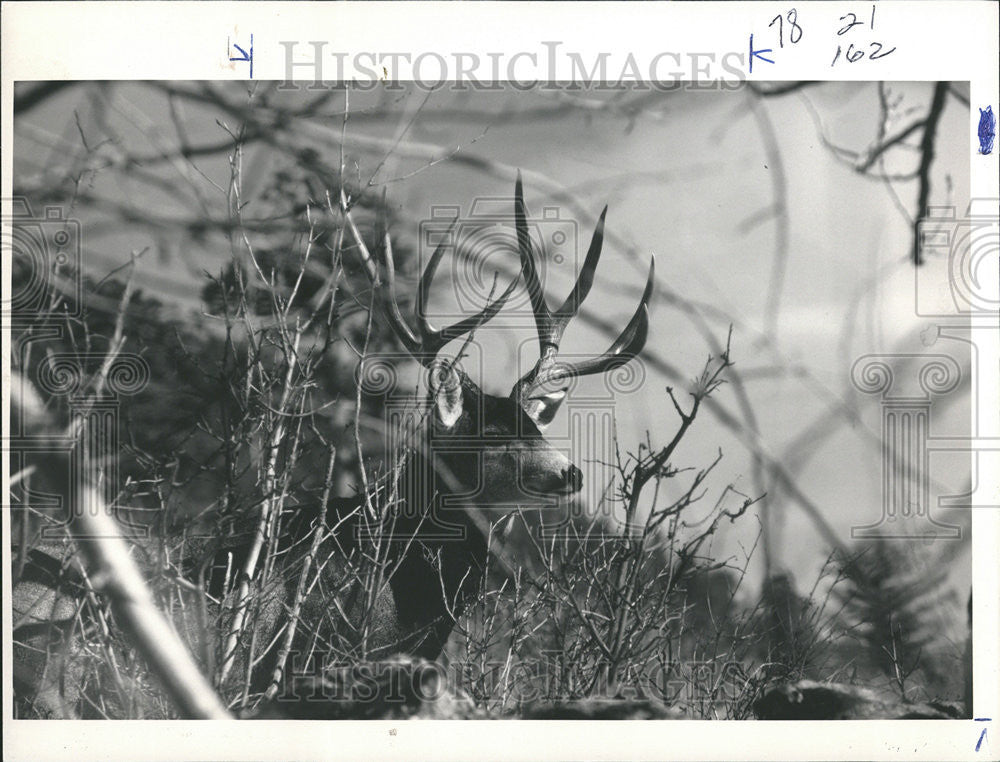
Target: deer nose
(573, 478)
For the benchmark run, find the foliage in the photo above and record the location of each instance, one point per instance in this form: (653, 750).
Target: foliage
(254, 417)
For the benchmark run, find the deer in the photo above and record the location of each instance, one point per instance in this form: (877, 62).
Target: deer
(477, 455)
(505, 461)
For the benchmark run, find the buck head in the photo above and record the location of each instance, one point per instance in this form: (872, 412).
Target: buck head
(492, 448)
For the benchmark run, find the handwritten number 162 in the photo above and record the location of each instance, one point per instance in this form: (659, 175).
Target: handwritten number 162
(853, 55)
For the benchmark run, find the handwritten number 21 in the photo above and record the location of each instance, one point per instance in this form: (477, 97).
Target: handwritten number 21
(854, 22)
(794, 30)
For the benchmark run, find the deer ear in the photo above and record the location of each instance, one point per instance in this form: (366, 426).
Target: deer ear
(446, 389)
(543, 409)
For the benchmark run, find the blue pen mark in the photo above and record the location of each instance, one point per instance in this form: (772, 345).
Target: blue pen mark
(757, 54)
(982, 736)
(244, 55)
(987, 130)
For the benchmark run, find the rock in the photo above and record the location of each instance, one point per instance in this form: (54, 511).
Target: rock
(603, 709)
(809, 700)
(399, 688)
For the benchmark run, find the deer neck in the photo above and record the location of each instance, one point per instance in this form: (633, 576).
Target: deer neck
(439, 557)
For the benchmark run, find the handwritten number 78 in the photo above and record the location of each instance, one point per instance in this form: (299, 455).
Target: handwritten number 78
(794, 30)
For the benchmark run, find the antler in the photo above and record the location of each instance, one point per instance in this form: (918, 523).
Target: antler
(428, 341)
(541, 382)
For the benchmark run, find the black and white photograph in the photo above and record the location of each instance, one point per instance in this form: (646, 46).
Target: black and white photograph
(623, 395)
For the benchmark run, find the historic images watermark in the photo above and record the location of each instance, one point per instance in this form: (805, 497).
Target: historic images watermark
(584, 433)
(909, 385)
(968, 246)
(327, 679)
(483, 245)
(44, 253)
(480, 243)
(316, 65)
(906, 439)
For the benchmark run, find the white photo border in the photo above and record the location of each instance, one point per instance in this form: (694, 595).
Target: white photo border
(135, 41)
